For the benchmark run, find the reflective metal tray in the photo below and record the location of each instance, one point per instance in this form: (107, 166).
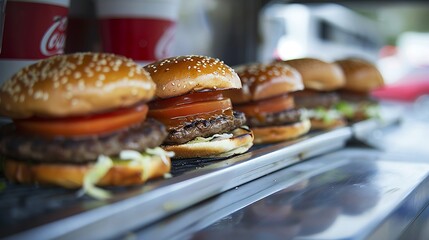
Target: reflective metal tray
(348, 194)
(49, 212)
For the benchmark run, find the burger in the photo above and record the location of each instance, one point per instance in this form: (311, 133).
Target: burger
(267, 101)
(362, 77)
(321, 79)
(80, 120)
(200, 120)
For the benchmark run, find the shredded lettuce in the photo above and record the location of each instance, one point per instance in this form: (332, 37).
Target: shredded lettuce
(211, 138)
(101, 167)
(349, 110)
(372, 111)
(346, 109)
(168, 175)
(326, 115)
(144, 159)
(132, 158)
(164, 155)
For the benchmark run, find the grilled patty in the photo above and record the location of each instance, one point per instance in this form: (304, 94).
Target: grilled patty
(276, 119)
(204, 128)
(312, 99)
(13, 144)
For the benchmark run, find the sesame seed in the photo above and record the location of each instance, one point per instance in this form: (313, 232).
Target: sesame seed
(77, 75)
(45, 97)
(38, 94)
(81, 84)
(101, 77)
(102, 62)
(64, 80)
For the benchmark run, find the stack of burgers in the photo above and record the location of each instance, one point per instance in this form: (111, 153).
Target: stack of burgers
(88, 119)
(73, 115)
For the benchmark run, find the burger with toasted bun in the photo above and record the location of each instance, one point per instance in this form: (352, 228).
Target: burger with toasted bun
(200, 120)
(321, 79)
(267, 101)
(362, 77)
(73, 115)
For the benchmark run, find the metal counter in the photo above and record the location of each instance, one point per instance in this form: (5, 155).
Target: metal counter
(191, 200)
(49, 212)
(349, 194)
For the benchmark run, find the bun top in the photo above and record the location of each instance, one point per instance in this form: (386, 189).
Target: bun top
(74, 85)
(361, 76)
(261, 81)
(180, 75)
(318, 75)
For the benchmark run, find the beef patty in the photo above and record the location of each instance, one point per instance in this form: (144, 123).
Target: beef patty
(204, 128)
(18, 146)
(312, 99)
(276, 119)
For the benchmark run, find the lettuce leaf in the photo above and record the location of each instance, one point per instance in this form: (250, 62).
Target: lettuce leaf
(214, 137)
(129, 157)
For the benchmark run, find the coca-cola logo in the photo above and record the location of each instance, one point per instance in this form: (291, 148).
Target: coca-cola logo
(54, 39)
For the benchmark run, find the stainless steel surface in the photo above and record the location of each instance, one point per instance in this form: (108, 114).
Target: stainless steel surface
(349, 194)
(140, 207)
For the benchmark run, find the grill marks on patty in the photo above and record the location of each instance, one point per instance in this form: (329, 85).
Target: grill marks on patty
(204, 128)
(276, 119)
(148, 134)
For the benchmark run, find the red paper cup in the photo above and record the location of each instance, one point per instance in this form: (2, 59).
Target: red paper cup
(33, 30)
(140, 29)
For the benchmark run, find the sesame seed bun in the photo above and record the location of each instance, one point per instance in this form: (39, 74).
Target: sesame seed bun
(318, 75)
(73, 85)
(273, 134)
(361, 76)
(240, 142)
(180, 75)
(262, 81)
(72, 175)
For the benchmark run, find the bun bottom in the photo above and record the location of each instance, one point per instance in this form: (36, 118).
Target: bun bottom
(281, 133)
(72, 175)
(319, 124)
(240, 142)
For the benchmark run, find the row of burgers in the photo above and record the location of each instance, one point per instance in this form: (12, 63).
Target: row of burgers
(87, 119)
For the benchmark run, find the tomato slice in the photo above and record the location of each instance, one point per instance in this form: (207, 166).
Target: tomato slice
(173, 116)
(84, 126)
(186, 99)
(272, 105)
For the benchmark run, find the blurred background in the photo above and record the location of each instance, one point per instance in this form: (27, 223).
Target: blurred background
(392, 34)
